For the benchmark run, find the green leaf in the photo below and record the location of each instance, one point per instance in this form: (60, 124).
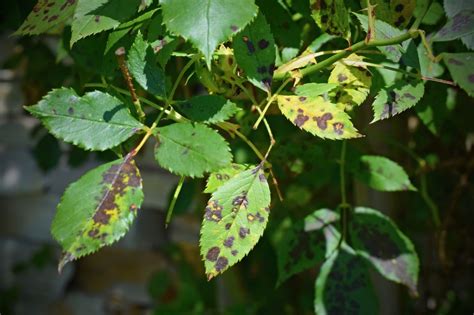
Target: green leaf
(434, 109)
(305, 245)
(191, 149)
(397, 98)
(458, 26)
(207, 108)
(143, 67)
(234, 220)
(314, 89)
(331, 16)
(385, 31)
(219, 178)
(461, 67)
(428, 68)
(382, 174)
(95, 121)
(317, 116)
(98, 209)
(376, 238)
(394, 12)
(92, 17)
(207, 23)
(343, 286)
(454, 7)
(353, 83)
(46, 15)
(434, 14)
(254, 50)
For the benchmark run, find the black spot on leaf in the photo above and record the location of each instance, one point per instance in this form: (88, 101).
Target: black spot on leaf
(213, 253)
(221, 263)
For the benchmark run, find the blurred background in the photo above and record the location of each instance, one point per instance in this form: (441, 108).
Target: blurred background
(154, 270)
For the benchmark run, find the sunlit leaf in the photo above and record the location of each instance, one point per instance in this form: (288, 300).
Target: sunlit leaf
(343, 286)
(207, 23)
(254, 50)
(461, 67)
(314, 89)
(98, 209)
(95, 121)
(46, 15)
(394, 12)
(397, 98)
(317, 116)
(191, 149)
(376, 238)
(234, 220)
(331, 16)
(219, 178)
(207, 108)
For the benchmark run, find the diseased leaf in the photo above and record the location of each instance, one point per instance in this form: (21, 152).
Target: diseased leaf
(385, 31)
(461, 67)
(343, 286)
(46, 15)
(331, 16)
(98, 209)
(458, 26)
(92, 17)
(234, 220)
(376, 238)
(394, 12)
(143, 67)
(314, 89)
(219, 178)
(95, 121)
(304, 245)
(191, 149)
(452, 8)
(254, 50)
(382, 174)
(396, 99)
(207, 23)
(207, 108)
(317, 116)
(353, 84)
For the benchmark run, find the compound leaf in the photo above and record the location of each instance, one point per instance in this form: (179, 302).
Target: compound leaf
(95, 121)
(234, 220)
(46, 15)
(207, 108)
(305, 245)
(317, 116)
(331, 16)
(207, 23)
(376, 238)
(92, 17)
(219, 178)
(382, 174)
(98, 209)
(142, 65)
(191, 149)
(254, 50)
(397, 98)
(461, 67)
(343, 286)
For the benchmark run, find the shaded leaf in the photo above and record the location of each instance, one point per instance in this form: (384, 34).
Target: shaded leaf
(207, 108)
(305, 245)
(92, 17)
(331, 16)
(46, 15)
(461, 67)
(191, 149)
(317, 116)
(434, 14)
(207, 23)
(394, 12)
(234, 220)
(396, 99)
(95, 121)
(143, 67)
(343, 286)
(382, 174)
(98, 209)
(458, 26)
(254, 50)
(385, 31)
(314, 89)
(428, 68)
(219, 178)
(452, 8)
(434, 109)
(376, 238)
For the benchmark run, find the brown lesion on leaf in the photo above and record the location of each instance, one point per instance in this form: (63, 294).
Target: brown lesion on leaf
(338, 128)
(213, 211)
(229, 242)
(301, 118)
(234, 252)
(93, 233)
(322, 121)
(263, 43)
(250, 217)
(213, 253)
(221, 263)
(241, 200)
(341, 77)
(243, 232)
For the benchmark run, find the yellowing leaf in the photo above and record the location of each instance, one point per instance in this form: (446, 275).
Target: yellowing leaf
(395, 12)
(317, 116)
(331, 16)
